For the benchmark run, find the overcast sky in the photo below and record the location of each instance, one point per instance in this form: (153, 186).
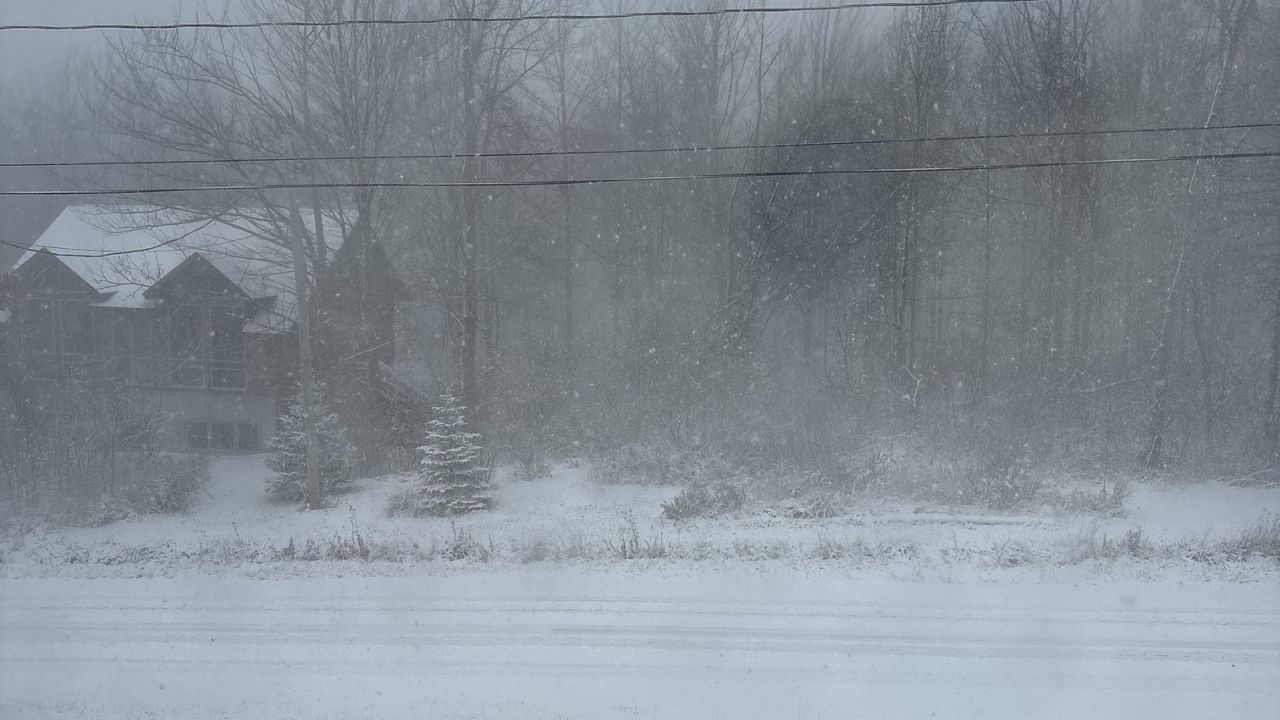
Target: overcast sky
(27, 55)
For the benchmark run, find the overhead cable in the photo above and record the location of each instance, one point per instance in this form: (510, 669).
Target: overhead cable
(553, 182)
(266, 24)
(15, 164)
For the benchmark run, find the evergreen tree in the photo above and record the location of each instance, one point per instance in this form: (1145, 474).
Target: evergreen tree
(289, 450)
(451, 480)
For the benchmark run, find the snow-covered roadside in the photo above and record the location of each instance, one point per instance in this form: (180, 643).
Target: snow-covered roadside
(569, 519)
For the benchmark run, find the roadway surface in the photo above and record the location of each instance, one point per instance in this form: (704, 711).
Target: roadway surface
(626, 646)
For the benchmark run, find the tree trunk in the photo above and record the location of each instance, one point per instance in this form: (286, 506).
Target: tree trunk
(1271, 429)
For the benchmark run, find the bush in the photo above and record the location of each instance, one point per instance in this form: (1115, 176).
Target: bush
(632, 547)
(705, 501)
(1094, 545)
(1108, 503)
(171, 490)
(462, 545)
(532, 466)
(1001, 482)
(658, 465)
(1259, 540)
(159, 486)
(809, 506)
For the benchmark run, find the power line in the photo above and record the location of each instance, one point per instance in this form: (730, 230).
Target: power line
(109, 253)
(410, 184)
(209, 25)
(635, 151)
(63, 252)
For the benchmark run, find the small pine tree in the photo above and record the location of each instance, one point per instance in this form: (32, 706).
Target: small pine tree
(289, 450)
(451, 480)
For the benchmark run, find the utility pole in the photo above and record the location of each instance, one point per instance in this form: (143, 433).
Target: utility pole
(315, 499)
(306, 376)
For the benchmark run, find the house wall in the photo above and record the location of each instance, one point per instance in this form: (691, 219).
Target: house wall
(131, 348)
(178, 408)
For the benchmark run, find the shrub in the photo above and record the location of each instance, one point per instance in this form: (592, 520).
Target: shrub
(527, 451)
(1094, 545)
(705, 501)
(160, 486)
(1001, 482)
(462, 545)
(1108, 503)
(1259, 540)
(403, 503)
(809, 506)
(658, 465)
(632, 547)
(384, 461)
(172, 488)
(532, 466)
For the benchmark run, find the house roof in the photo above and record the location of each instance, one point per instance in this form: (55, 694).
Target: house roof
(123, 252)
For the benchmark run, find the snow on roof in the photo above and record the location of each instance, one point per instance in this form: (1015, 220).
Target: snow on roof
(121, 252)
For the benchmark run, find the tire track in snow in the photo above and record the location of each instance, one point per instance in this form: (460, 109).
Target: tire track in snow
(535, 652)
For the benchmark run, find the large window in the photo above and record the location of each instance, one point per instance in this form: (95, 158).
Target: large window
(226, 349)
(186, 347)
(222, 436)
(186, 330)
(197, 435)
(206, 348)
(52, 327)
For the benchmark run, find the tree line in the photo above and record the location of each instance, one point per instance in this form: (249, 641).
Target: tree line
(1123, 314)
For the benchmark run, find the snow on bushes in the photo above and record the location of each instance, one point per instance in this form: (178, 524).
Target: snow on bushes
(705, 501)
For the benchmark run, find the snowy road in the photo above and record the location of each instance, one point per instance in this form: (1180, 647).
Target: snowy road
(605, 646)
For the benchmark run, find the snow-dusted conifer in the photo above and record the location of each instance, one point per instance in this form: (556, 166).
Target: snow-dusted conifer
(289, 450)
(451, 480)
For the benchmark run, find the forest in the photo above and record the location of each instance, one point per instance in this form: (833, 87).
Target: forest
(1031, 234)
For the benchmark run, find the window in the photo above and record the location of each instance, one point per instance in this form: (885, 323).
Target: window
(247, 440)
(206, 348)
(226, 378)
(222, 436)
(227, 340)
(198, 435)
(226, 349)
(186, 349)
(186, 330)
(187, 375)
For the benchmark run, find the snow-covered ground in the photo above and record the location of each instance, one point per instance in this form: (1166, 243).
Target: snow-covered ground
(887, 612)
(535, 642)
(568, 518)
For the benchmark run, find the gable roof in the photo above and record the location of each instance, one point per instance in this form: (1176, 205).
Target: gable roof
(124, 251)
(195, 273)
(44, 271)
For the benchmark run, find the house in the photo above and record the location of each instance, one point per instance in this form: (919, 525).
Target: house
(197, 318)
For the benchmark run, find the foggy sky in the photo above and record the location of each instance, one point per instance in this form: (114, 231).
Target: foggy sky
(30, 56)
